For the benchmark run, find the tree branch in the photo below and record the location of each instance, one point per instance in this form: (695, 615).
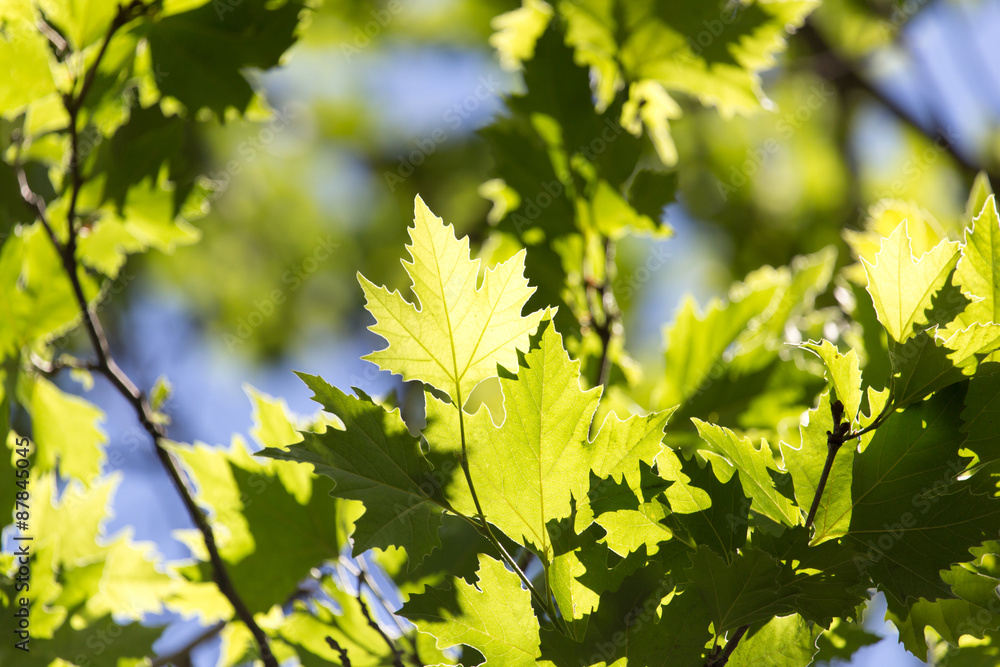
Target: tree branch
(605, 322)
(720, 659)
(834, 441)
(397, 655)
(105, 364)
(838, 68)
(344, 660)
(185, 650)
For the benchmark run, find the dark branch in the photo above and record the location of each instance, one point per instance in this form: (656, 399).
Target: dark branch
(105, 364)
(835, 440)
(847, 74)
(722, 658)
(605, 321)
(397, 655)
(183, 652)
(344, 660)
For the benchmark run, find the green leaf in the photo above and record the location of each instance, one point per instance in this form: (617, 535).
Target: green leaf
(579, 577)
(695, 342)
(518, 30)
(842, 640)
(373, 459)
(310, 623)
(784, 641)
(527, 470)
(978, 270)
(630, 625)
(825, 578)
(66, 432)
(203, 51)
(723, 524)
(678, 637)
(156, 147)
(35, 295)
(459, 333)
(977, 600)
(843, 373)
(744, 591)
(119, 644)
(82, 21)
(668, 47)
(928, 362)
(160, 393)
(981, 417)
(629, 529)
(753, 466)
(902, 286)
(26, 55)
(78, 582)
(268, 515)
(494, 616)
(911, 516)
(981, 190)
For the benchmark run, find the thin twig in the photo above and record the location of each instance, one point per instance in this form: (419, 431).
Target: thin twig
(344, 660)
(485, 529)
(185, 650)
(397, 655)
(212, 630)
(834, 441)
(52, 367)
(73, 104)
(723, 658)
(376, 590)
(54, 37)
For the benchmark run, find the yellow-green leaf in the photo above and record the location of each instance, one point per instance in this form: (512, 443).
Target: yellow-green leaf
(902, 286)
(456, 333)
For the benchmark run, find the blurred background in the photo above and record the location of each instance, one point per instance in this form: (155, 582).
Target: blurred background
(380, 101)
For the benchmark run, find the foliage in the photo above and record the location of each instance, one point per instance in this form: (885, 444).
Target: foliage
(826, 428)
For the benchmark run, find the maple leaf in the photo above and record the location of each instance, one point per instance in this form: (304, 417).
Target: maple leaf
(978, 271)
(456, 333)
(500, 626)
(902, 286)
(526, 470)
(373, 459)
(753, 465)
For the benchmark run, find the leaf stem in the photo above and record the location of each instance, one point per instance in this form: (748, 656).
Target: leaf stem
(484, 525)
